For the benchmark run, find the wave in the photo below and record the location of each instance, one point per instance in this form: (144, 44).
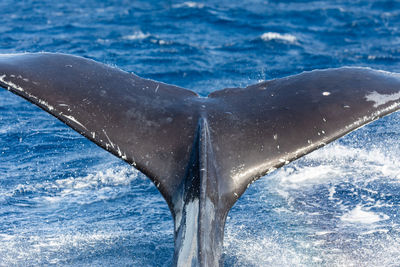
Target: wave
(270, 36)
(189, 4)
(337, 161)
(98, 186)
(137, 35)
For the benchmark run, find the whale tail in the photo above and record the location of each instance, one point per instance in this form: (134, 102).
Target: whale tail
(201, 152)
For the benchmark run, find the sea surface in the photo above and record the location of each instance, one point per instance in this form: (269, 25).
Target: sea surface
(66, 202)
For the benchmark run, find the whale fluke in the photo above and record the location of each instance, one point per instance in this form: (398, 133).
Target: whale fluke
(201, 152)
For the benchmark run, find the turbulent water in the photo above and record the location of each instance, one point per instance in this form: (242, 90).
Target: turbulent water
(66, 202)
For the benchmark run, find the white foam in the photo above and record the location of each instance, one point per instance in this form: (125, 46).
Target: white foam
(333, 165)
(309, 175)
(160, 41)
(256, 250)
(268, 36)
(189, 4)
(326, 248)
(101, 185)
(42, 249)
(342, 159)
(359, 215)
(323, 233)
(137, 35)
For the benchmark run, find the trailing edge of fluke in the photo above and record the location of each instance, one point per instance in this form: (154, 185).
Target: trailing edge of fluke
(201, 152)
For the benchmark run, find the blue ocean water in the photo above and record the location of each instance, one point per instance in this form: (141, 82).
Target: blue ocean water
(66, 202)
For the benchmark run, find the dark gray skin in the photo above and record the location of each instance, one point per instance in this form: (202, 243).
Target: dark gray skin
(201, 152)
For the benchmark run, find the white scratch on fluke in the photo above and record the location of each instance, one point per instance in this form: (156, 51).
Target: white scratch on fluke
(74, 120)
(10, 84)
(108, 138)
(123, 156)
(363, 120)
(326, 93)
(19, 88)
(47, 105)
(381, 99)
